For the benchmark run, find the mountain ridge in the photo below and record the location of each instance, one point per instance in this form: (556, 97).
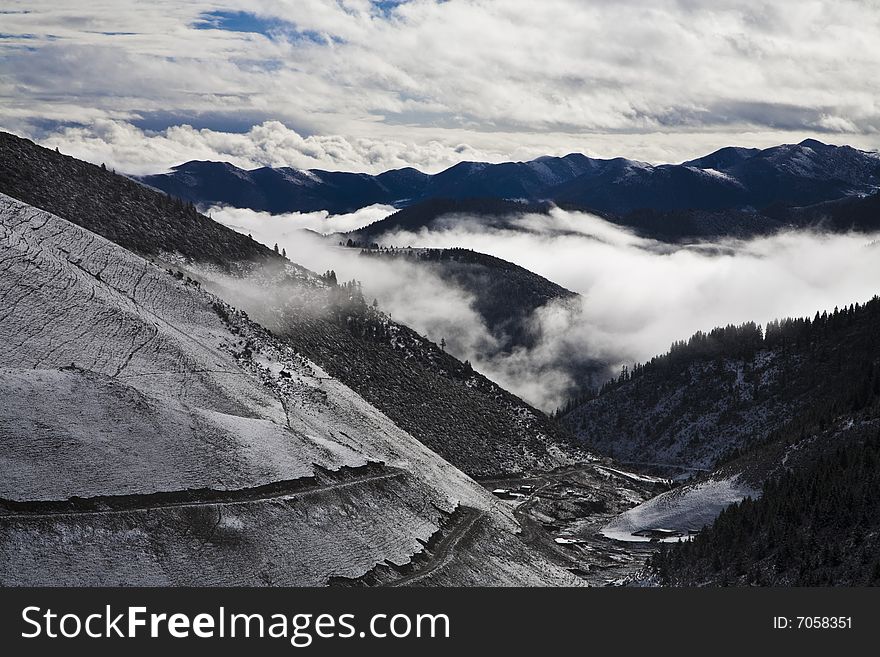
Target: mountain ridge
(730, 178)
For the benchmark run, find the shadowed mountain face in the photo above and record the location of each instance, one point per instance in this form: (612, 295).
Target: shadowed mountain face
(442, 213)
(731, 178)
(118, 208)
(505, 294)
(731, 389)
(508, 300)
(851, 213)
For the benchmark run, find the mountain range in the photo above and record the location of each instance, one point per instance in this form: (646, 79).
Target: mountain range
(731, 178)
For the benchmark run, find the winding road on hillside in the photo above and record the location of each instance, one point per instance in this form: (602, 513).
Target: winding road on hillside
(284, 490)
(445, 551)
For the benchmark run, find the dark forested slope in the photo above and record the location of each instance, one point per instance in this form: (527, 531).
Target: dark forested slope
(122, 210)
(817, 525)
(732, 388)
(798, 411)
(505, 294)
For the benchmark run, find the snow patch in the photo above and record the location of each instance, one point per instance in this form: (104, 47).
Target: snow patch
(684, 509)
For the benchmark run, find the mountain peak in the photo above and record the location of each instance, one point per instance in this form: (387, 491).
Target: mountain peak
(813, 143)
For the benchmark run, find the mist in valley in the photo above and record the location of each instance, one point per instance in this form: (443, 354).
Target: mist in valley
(637, 295)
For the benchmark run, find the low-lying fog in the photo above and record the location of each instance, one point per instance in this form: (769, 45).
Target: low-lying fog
(637, 295)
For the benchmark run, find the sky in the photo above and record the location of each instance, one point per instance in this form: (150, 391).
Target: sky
(366, 86)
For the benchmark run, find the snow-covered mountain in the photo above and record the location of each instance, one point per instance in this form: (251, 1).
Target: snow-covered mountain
(185, 406)
(732, 178)
(457, 412)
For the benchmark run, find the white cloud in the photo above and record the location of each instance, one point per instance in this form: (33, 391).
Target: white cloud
(287, 227)
(129, 149)
(658, 80)
(637, 295)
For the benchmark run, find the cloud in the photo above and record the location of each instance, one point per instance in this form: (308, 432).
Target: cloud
(656, 80)
(288, 227)
(412, 294)
(132, 150)
(637, 296)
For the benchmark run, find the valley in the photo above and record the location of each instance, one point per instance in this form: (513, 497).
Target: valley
(562, 513)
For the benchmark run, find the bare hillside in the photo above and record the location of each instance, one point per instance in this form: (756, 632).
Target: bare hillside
(154, 435)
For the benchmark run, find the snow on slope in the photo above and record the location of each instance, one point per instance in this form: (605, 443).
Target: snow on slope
(689, 507)
(118, 378)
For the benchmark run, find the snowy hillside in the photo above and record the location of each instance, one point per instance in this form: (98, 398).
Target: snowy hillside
(154, 435)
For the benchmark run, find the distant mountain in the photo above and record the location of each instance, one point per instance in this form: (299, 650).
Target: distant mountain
(791, 174)
(488, 212)
(856, 213)
(732, 178)
(851, 213)
(286, 189)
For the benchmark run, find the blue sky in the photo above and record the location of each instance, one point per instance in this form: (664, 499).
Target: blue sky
(247, 22)
(361, 85)
(239, 21)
